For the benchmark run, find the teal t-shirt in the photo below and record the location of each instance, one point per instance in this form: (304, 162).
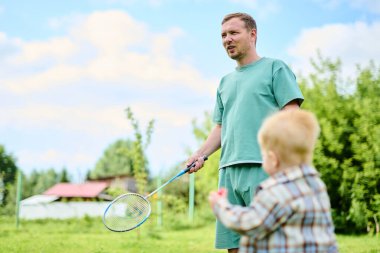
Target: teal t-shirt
(245, 98)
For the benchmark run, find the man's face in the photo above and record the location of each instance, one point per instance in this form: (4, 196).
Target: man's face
(237, 39)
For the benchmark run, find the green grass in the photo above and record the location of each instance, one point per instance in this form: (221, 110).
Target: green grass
(358, 244)
(89, 236)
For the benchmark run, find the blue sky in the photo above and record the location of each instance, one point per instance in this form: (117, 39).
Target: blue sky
(68, 69)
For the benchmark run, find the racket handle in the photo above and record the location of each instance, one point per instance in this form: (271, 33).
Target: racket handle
(175, 177)
(193, 164)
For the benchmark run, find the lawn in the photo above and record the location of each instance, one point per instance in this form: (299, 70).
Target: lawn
(89, 236)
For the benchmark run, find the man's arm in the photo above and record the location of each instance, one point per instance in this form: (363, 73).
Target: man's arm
(211, 145)
(291, 105)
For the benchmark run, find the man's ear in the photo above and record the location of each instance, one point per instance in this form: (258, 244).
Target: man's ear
(254, 35)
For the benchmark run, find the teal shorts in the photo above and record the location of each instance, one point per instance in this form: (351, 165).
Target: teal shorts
(241, 181)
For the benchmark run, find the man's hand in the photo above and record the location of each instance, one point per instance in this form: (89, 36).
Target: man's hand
(199, 160)
(212, 144)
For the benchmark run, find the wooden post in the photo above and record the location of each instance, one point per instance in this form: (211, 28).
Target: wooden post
(159, 203)
(18, 197)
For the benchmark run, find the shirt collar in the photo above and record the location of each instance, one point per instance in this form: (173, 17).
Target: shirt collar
(241, 68)
(288, 175)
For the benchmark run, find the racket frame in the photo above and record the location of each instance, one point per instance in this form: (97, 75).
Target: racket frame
(187, 169)
(117, 200)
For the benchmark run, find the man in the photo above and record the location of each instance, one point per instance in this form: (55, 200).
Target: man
(258, 87)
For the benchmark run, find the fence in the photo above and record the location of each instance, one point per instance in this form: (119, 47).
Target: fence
(62, 210)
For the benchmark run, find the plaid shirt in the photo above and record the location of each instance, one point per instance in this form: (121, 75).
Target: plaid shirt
(289, 213)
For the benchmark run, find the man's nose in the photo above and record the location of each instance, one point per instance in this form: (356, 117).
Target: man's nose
(227, 39)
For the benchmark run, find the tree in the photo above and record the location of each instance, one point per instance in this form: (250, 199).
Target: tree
(64, 176)
(347, 153)
(39, 181)
(127, 157)
(117, 160)
(8, 168)
(139, 147)
(8, 171)
(365, 194)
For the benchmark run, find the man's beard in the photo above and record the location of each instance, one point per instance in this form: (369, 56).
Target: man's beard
(235, 56)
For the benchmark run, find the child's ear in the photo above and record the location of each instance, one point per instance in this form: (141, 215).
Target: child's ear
(274, 161)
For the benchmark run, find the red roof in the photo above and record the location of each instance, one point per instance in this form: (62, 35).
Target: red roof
(85, 190)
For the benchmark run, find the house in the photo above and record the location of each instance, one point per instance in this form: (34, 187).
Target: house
(69, 200)
(86, 191)
(125, 182)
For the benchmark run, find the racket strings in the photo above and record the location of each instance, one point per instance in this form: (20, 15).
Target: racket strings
(127, 212)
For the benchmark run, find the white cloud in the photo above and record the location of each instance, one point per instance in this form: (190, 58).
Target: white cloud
(86, 119)
(92, 120)
(110, 31)
(355, 43)
(56, 48)
(58, 75)
(105, 46)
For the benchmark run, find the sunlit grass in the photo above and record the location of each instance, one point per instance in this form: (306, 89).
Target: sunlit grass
(89, 236)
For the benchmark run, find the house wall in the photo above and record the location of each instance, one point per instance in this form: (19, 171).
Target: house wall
(63, 210)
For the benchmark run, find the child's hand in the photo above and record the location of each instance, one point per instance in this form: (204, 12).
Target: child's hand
(215, 196)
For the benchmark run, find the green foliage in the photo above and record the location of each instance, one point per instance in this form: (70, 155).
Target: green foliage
(64, 177)
(126, 157)
(347, 154)
(39, 181)
(138, 151)
(174, 196)
(116, 160)
(9, 206)
(206, 179)
(8, 170)
(115, 191)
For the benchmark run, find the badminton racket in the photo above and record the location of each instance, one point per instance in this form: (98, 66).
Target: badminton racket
(131, 210)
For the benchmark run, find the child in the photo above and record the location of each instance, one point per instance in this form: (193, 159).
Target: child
(291, 209)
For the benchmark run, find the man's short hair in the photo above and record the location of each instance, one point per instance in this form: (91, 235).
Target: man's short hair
(249, 22)
(291, 135)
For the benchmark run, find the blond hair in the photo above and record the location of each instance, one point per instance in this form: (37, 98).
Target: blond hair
(291, 135)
